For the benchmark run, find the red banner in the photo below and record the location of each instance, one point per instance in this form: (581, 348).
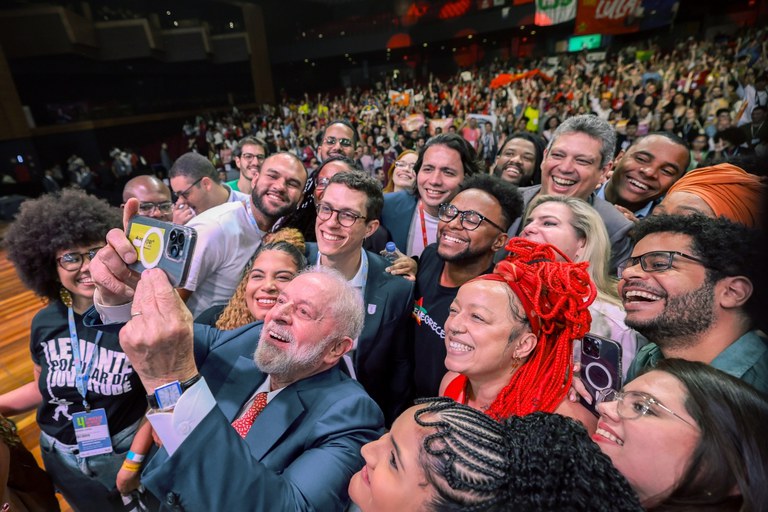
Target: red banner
(608, 16)
(504, 79)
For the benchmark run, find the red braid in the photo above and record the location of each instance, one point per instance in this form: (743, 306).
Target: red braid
(556, 296)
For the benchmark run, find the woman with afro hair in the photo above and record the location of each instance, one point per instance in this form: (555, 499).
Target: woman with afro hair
(82, 377)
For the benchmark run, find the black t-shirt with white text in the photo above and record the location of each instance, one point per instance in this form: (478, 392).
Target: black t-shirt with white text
(113, 383)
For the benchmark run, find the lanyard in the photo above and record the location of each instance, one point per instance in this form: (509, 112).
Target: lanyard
(423, 223)
(81, 374)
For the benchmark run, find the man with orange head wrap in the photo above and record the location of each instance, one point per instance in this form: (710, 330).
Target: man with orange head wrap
(721, 190)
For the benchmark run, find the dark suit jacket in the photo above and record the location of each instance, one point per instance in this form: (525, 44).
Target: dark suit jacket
(761, 134)
(299, 455)
(617, 225)
(397, 214)
(382, 360)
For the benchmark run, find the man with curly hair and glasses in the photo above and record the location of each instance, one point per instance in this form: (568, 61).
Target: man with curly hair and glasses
(691, 287)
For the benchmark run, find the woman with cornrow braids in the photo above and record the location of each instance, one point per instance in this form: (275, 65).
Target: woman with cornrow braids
(444, 456)
(509, 334)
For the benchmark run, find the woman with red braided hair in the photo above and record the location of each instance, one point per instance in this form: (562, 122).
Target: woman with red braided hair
(509, 334)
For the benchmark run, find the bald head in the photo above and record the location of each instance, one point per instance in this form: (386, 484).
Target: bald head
(148, 189)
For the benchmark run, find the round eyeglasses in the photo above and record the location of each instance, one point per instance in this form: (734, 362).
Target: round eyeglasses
(634, 404)
(72, 261)
(470, 219)
(345, 218)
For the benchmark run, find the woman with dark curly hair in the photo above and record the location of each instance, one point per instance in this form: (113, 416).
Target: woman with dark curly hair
(444, 456)
(688, 437)
(509, 334)
(89, 400)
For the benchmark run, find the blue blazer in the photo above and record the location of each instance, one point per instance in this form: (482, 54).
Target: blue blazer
(299, 455)
(382, 359)
(397, 215)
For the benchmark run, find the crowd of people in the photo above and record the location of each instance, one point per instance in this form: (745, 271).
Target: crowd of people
(526, 210)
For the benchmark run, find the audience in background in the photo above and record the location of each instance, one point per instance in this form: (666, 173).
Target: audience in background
(619, 140)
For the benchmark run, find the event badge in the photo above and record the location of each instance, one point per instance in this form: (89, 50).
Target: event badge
(92, 432)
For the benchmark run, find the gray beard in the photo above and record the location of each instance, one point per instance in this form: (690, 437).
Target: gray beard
(684, 318)
(289, 367)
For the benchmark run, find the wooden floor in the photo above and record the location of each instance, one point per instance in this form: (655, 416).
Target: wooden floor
(17, 307)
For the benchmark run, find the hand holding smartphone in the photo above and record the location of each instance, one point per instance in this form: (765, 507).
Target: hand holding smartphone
(600, 366)
(162, 245)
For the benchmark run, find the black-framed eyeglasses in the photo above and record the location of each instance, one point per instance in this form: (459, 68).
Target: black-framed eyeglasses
(146, 207)
(74, 260)
(470, 219)
(634, 404)
(347, 143)
(185, 192)
(656, 261)
(345, 218)
(250, 156)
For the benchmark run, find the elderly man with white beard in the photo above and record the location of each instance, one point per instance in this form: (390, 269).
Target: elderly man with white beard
(243, 432)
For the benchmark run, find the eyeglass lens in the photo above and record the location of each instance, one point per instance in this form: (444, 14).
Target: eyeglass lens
(74, 260)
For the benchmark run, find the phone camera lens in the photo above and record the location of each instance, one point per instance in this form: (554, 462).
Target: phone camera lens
(180, 239)
(174, 251)
(592, 347)
(173, 235)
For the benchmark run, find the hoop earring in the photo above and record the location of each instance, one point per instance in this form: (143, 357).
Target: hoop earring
(65, 297)
(517, 362)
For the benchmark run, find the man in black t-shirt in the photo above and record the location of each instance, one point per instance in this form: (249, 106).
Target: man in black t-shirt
(472, 227)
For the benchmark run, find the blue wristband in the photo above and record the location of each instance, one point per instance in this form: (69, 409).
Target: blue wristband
(134, 457)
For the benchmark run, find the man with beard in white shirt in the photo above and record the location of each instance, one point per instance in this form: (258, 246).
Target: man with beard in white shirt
(228, 235)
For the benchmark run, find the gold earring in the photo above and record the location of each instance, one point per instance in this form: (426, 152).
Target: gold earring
(65, 297)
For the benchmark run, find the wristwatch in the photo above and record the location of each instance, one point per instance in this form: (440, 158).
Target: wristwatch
(165, 397)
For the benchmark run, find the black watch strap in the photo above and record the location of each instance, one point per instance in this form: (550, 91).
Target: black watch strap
(152, 399)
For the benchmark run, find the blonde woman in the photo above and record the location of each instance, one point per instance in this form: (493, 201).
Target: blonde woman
(574, 227)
